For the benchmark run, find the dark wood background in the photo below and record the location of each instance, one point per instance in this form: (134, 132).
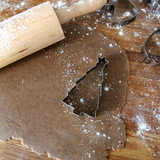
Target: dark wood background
(141, 112)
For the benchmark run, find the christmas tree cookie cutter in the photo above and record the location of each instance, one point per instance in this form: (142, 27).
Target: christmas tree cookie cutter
(86, 103)
(150, 58)
(111, 5)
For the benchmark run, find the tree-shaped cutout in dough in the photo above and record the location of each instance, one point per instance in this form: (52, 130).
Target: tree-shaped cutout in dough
(84, 96)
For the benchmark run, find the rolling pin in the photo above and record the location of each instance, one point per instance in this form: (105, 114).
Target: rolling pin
(37, 28)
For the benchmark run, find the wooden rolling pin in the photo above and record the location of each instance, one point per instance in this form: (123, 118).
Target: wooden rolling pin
(38, 27)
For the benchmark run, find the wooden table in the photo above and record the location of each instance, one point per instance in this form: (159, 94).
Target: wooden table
(141, 112)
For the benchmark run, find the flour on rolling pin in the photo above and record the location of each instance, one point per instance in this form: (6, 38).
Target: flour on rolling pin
(28, 32)
(37, 28)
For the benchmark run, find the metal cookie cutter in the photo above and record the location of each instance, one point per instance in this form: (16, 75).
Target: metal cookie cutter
(84, 96)
(150, 58)
(113, 5)
(154, 4)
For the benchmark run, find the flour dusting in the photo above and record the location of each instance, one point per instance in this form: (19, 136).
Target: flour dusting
(142, 124)
(97, 19)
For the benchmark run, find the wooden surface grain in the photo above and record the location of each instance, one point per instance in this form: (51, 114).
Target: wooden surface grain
(141, 112)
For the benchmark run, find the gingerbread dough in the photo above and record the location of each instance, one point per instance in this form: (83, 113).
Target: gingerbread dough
(32, 90)
(84, 97)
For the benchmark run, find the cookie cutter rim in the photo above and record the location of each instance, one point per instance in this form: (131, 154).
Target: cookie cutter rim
(145, 55)
(100, 92)
(125, 21)
(155, 4)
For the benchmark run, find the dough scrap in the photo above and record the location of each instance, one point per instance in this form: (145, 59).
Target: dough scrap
(32, 90)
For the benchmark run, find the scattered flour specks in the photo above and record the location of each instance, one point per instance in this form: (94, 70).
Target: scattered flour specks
(127, 14)
(111, 45)
(142, 124)
(13, 6)
(106, 88)
(98, 133)
(121, 33)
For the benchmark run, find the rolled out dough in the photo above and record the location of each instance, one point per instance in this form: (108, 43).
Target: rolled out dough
(32, 90)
